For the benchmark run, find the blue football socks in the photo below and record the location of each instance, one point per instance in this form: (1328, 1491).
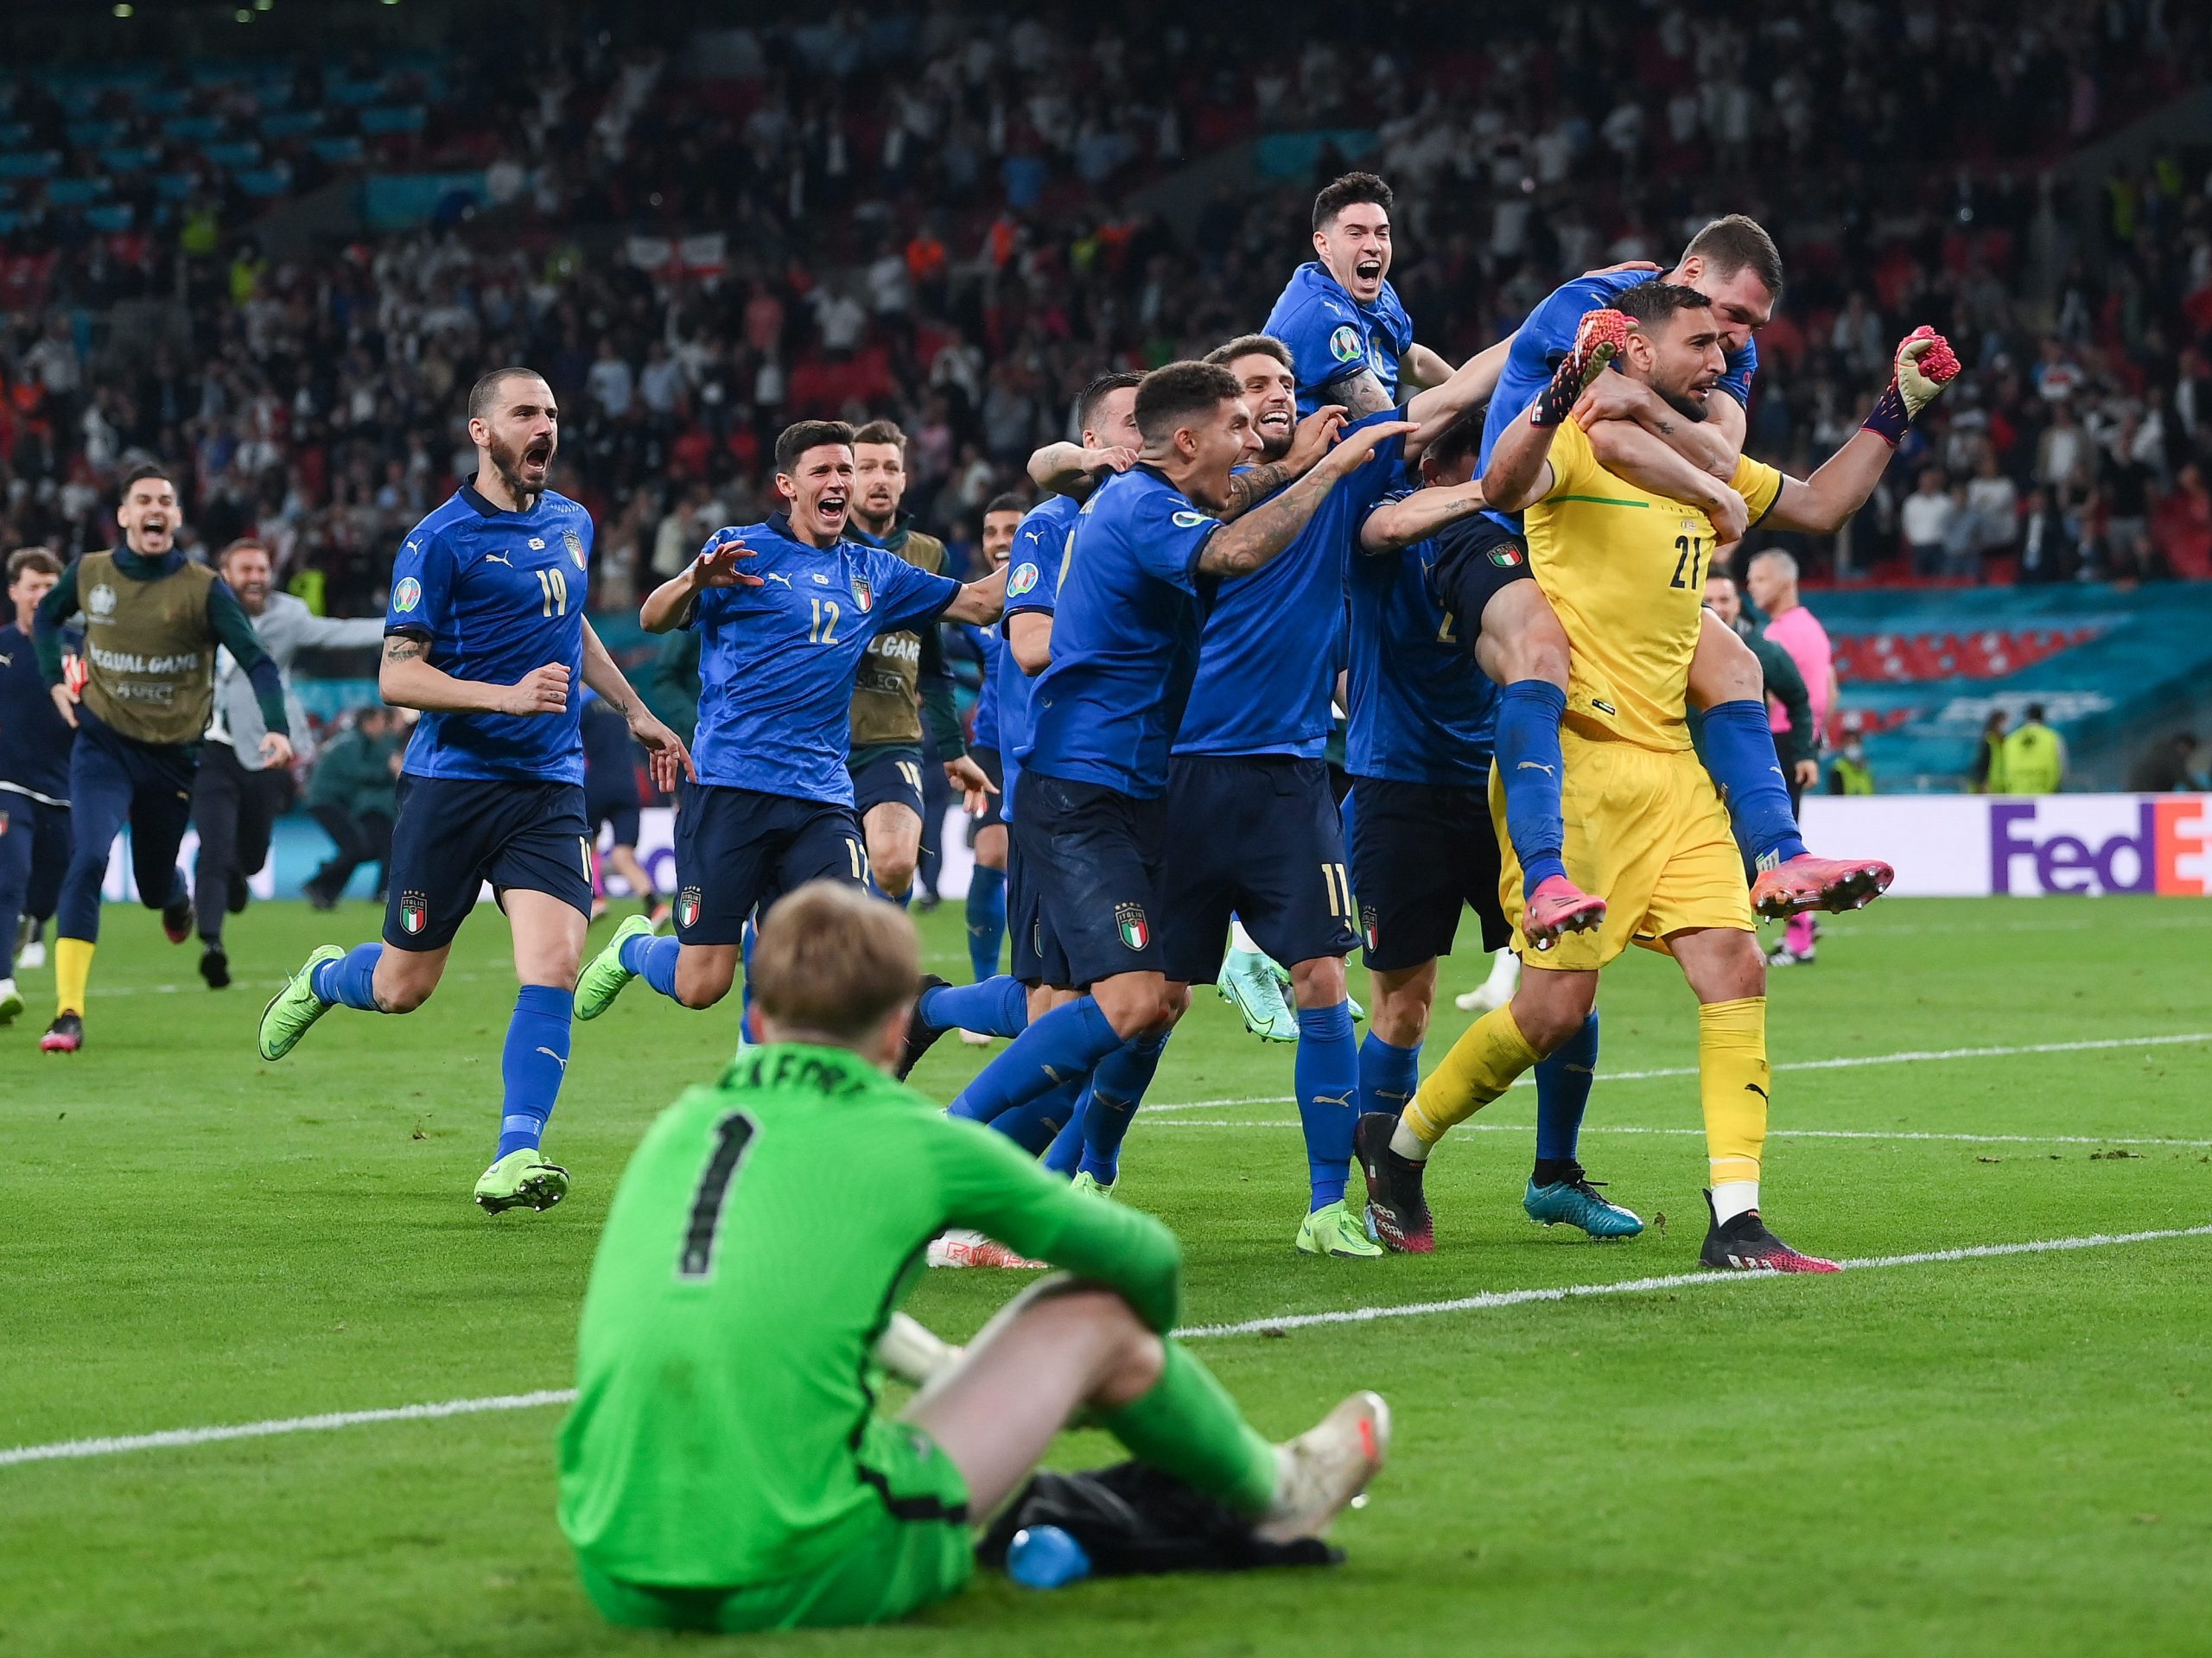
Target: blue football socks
(1563, 1082)
(1059, 1048)
(349, 982)
(1117, 1089)
(1388, 1075)
(986, 920)
(1530, 765)
(654, 960)
(1064, 1154)
(1739, 753)
(1326, 1077)
(1034, 1125)
(995, 1006)
(533, 1062)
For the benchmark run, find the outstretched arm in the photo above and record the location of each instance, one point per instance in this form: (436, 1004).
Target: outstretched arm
(1242, 547)
(1248, 488)
(1398, 524)
(1071, 470)
(980, 602)
(1923, 366)
(1464, 389)
(407, 680)
(669, 605)
(1422, 367)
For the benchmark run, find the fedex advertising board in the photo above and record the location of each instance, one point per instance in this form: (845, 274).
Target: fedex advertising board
(1973, 846)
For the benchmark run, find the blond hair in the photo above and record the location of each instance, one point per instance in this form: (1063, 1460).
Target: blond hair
(831, 961)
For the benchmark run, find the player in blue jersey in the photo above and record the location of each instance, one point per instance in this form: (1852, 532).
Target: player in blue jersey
(1147, 557)
(1422, 718)
(1002, 517)
(784, 610)
(485, 633)
(1349, 339)
(1483, 565)
(35, 742)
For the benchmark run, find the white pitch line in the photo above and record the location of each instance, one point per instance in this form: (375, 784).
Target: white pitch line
(1492, 1299)
(168, 1438)
(1847, 1062)
(1771, 1134)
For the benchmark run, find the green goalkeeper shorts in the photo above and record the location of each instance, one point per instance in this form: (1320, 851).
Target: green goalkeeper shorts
(919, 1551)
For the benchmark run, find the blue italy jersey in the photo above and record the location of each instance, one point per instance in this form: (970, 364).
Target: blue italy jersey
(1032, 582)
(1331, 334)
(777, 662)
(983, 733)
(1125, 637)
(1420, 710)
(496, 594)
(35, 739)
(1543, 343)
(1273, 643)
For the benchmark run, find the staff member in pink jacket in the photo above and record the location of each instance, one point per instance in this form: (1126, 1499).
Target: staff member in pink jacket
(1772, 578)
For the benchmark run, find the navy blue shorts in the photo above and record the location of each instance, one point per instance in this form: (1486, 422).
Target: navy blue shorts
(1090, 856)
(620, 812)
(34, 854)
(1035, 954)
(1258, 836)
(737, 851)
(454, 834)
(1420, 851)
(888, 777)
(1476, 559)
(994, 803)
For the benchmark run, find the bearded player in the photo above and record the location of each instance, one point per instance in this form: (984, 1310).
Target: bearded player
(1624, 567)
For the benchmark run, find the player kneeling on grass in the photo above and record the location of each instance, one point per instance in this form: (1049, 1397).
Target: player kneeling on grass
(727, 1466)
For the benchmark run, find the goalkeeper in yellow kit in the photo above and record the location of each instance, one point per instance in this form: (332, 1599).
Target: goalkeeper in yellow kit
(1624, 567)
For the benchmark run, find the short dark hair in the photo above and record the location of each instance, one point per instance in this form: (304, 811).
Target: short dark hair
(142, 471)
(1088, 400)
(1171, 393)
(1655, 301)
(40, 559)
(1006, 502)
(1345, 192)
(797, 438)
(882, 431)
(1462, 438)
(1252, 345)
(2034, 712)
(487, 387)
(1730, 243)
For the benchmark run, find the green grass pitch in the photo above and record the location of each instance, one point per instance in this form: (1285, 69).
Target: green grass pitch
(1989, 1455)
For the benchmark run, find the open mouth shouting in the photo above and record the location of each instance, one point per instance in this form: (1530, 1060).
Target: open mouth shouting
(1274, 424)
(1367, 272)
(537, 456)
(829, 507)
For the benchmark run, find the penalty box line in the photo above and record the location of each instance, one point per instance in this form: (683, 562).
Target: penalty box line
(67, 1450)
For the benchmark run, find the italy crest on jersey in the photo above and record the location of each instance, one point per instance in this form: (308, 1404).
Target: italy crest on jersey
(687, 907)
(863, 594)
(1129, 922)
(574, 543)
(414, 912)
(1369, 927)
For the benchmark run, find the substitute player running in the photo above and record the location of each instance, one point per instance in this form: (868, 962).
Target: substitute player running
(153, 620)
(486, 634)
(1624, 568)
(34, 770)
(728, 1467)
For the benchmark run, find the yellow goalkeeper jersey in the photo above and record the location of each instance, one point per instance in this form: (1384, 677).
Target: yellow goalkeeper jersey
(1625, 570)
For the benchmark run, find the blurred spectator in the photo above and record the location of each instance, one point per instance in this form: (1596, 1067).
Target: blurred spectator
(1926, 516)
(1996, 503)
(1987, 775)
(353, 794)
(2047, 552)
(1848, 770)
(2167, 767)
(2035, 756)
(1964, 536)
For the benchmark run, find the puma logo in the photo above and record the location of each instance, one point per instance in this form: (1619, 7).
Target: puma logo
(786, 579)
(1342, 1100)
(1753, 1088)
(557, 1059)
(1534, 765)
(7, 662)
(499, 558)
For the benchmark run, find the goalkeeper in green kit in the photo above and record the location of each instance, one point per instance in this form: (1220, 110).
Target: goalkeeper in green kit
(727, 1466)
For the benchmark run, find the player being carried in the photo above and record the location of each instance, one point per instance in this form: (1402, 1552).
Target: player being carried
(785, 609)
(1624, 567)
(486, 634)
(702, 1489)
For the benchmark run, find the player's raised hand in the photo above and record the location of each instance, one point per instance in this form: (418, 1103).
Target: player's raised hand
(1599, 338)
(1314, 436)
(717, 565)
(1924, 365)
(665, 755)
(973, 782)
(542, 690)
(1359, 445)
(1115, 458)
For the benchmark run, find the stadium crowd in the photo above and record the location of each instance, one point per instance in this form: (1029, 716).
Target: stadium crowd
(952, 225)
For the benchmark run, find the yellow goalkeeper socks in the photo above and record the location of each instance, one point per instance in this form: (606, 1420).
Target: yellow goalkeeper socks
(1481, 1065)
(72, 966)
(1733, 1076)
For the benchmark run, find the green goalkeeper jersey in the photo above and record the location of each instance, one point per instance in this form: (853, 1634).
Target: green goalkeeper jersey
(760, 1239)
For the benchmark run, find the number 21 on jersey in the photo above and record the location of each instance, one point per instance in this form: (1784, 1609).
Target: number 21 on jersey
(1689, 559)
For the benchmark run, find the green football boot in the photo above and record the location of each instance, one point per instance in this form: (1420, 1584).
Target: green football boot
(1086, 1181)
(1576, 1203)
(1248, 981)
(604, 975)
(521, 1179)
(295, 1007)
(11, 1001)
(1334, 1229)
(1358, 1013)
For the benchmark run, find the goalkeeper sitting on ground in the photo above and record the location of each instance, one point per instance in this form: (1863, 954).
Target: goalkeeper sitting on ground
(727, 1466)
